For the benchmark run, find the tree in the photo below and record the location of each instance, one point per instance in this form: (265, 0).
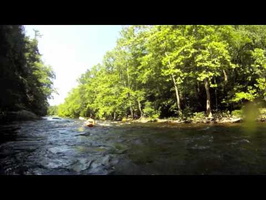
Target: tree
(165, 70)
(25, 82)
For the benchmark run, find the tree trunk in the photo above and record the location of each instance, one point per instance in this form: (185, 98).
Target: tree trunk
(176, 91)
(216, 101)
(225, 81)
(131, 111)
(208, 101)
(225, 76)
(114, 116)
(139, 104)
(130, 106)
(177, 96)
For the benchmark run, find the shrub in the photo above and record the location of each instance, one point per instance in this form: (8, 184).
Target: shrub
(237, 113)
(198, 116)
(187, 112)
(149, 111)
(262, 111)
(221, 114)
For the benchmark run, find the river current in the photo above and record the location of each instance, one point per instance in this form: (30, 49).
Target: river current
(67, 147)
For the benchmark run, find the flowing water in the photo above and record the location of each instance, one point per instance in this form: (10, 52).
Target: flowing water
(67, 147)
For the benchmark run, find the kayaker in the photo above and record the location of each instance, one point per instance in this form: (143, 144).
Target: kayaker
(90, 122)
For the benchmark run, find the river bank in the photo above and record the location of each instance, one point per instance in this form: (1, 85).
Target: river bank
(22, 115)
(202, 120)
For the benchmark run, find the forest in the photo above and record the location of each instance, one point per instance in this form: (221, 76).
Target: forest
(26, 83)
(155, 71)
(163, 71)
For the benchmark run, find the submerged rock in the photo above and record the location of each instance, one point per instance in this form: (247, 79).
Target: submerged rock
(81, 165)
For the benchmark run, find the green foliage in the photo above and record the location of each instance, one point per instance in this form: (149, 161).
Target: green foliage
(198, 116)
(173, 70)
(262, 111)
(52, 110)
(244, 95)
(187, 112)
(25, 81)
(149, 111)
(237, 113)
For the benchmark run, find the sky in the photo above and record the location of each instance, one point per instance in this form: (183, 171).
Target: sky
(72, 49)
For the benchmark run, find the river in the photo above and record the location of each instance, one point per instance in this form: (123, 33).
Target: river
(66, 147)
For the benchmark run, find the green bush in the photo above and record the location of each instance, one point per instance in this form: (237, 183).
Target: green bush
(150, 112)
(198, 116)
(262, 111)
(237, 113)
(221, 114)
(187, 112)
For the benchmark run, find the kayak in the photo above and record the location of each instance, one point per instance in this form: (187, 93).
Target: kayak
(90, 122)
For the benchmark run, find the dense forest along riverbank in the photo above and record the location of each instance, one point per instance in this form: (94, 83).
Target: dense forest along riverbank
(66, 147)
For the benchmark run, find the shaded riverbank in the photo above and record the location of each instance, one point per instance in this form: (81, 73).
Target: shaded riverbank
(13, 116)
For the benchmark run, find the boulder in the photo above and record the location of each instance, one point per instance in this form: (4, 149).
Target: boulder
(236, 120)
(82, 118)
